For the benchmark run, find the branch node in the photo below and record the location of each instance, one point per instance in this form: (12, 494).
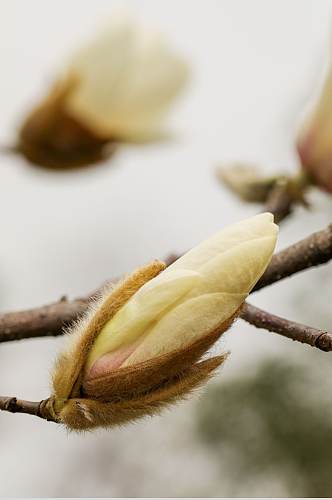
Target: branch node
(324, 342)
(10, 405)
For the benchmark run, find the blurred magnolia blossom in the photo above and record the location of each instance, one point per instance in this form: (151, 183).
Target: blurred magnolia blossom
(139, 347)
(117, 88)
(314, 143)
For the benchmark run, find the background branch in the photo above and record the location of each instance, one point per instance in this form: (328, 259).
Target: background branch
(286, 193)
(290, 329)
(279, 201)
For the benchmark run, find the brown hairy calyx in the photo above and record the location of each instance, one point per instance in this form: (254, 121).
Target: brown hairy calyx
(125, 394)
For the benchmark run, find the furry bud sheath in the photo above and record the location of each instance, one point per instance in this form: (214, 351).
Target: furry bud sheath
(116, 89)
(139, 347)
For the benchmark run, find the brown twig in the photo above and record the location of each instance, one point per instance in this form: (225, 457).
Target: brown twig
(290, 329)
(37, 408)
(49, 320)
(287, 192)
(45, 321)
(280, 201)
(312, 251)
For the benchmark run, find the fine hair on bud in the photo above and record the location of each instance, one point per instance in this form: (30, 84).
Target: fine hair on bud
(143, 344)
(129, 393)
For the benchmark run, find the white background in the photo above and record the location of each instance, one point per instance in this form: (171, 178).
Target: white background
(254, 65)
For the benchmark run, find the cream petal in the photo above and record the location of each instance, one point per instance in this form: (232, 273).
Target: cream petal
(237, 270)
(221, 271)
(226, 239)
(145, 307)
(127, 79)
(186, 323)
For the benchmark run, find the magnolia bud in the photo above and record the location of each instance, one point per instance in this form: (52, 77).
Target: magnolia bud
(314, 143)
(139, 348)
(115, 89)
(247, 182)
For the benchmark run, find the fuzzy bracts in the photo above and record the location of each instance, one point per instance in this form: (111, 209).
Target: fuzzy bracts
(124, 394)
(140, 347)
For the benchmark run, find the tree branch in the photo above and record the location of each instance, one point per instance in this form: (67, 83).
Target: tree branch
(45, 321)
(49, 320)
(280, 201)
(312, 251)
(287, 192)
(290, 329)
(37, 408)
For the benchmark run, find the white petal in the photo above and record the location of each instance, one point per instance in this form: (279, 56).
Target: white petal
(226, 239)
(186, 323)
(127, 79)
(197, 292)
(238, 269)
(145, 307)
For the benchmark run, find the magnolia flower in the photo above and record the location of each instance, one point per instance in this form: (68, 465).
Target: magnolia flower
(118, 88)
(139, 347)
(314, 143)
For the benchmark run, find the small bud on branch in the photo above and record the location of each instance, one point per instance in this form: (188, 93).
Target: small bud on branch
(247, 182)
(280, 193)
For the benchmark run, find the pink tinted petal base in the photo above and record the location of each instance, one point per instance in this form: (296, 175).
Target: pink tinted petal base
(305, 148)
(320, 170)
(111, 361)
